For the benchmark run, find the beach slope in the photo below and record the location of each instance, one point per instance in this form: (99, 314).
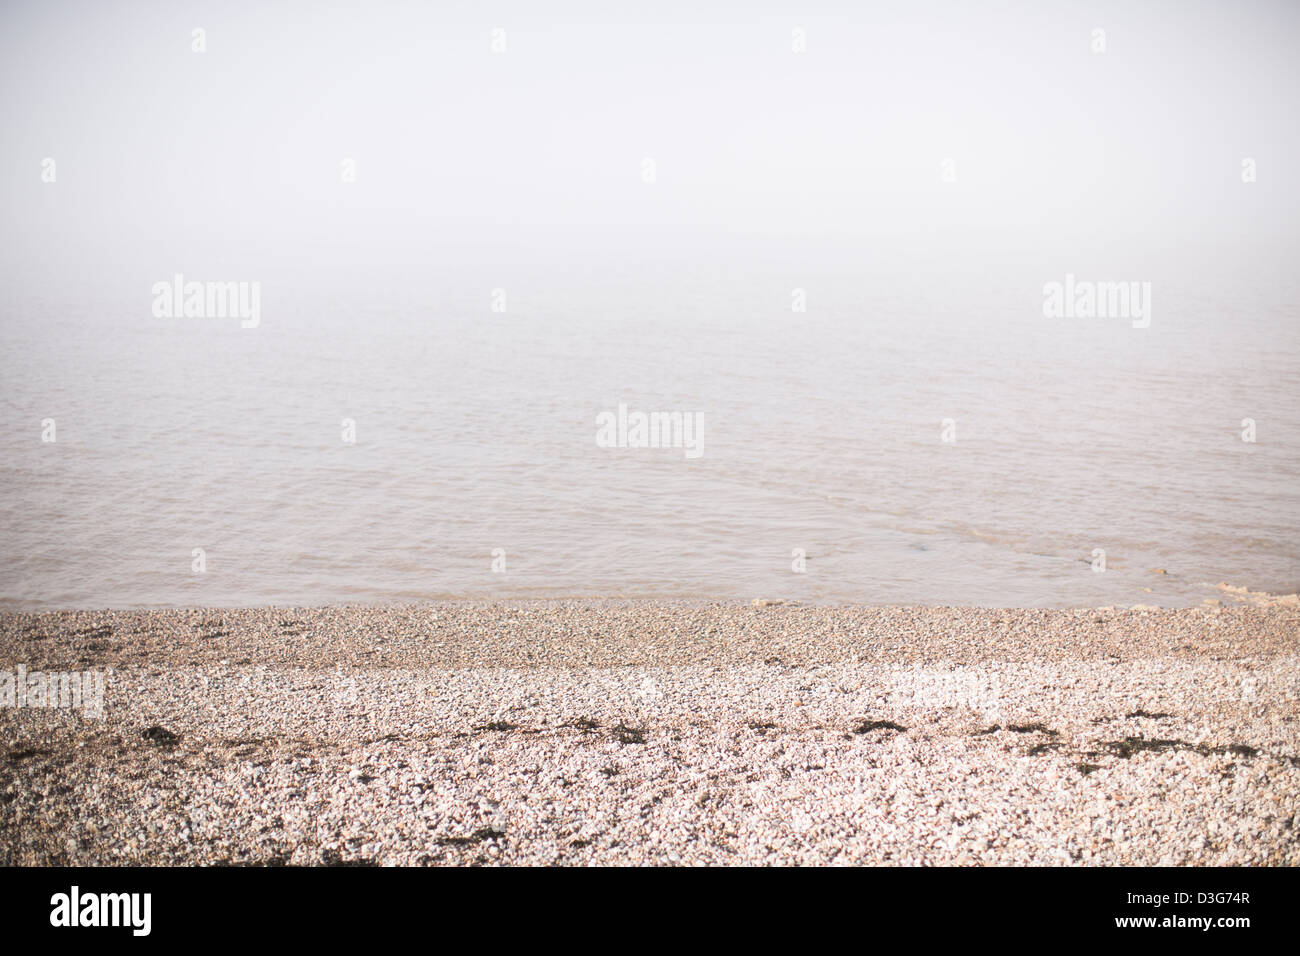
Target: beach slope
(629, 732)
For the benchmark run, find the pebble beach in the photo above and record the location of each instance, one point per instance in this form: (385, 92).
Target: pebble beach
(578, 733)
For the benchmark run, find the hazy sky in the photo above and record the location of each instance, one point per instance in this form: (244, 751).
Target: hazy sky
(233, 156)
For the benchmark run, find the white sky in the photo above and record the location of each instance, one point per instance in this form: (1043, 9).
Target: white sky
(162, 151)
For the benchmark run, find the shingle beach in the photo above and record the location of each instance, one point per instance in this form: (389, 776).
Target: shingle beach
(627, 732)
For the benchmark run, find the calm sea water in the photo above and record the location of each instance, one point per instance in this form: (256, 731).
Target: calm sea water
(476, 430)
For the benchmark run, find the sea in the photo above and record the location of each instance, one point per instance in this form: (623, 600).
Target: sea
(893, 428)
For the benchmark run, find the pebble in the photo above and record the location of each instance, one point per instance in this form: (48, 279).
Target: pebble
(523, 733)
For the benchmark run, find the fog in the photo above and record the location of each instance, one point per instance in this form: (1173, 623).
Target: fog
(938, 132)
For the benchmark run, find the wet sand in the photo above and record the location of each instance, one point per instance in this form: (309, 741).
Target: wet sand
(629, 732)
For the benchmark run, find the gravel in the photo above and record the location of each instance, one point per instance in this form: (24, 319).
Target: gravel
(660, 733)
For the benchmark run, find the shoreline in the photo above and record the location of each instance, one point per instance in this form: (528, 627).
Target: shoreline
(1228, 595)
(581, 732)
